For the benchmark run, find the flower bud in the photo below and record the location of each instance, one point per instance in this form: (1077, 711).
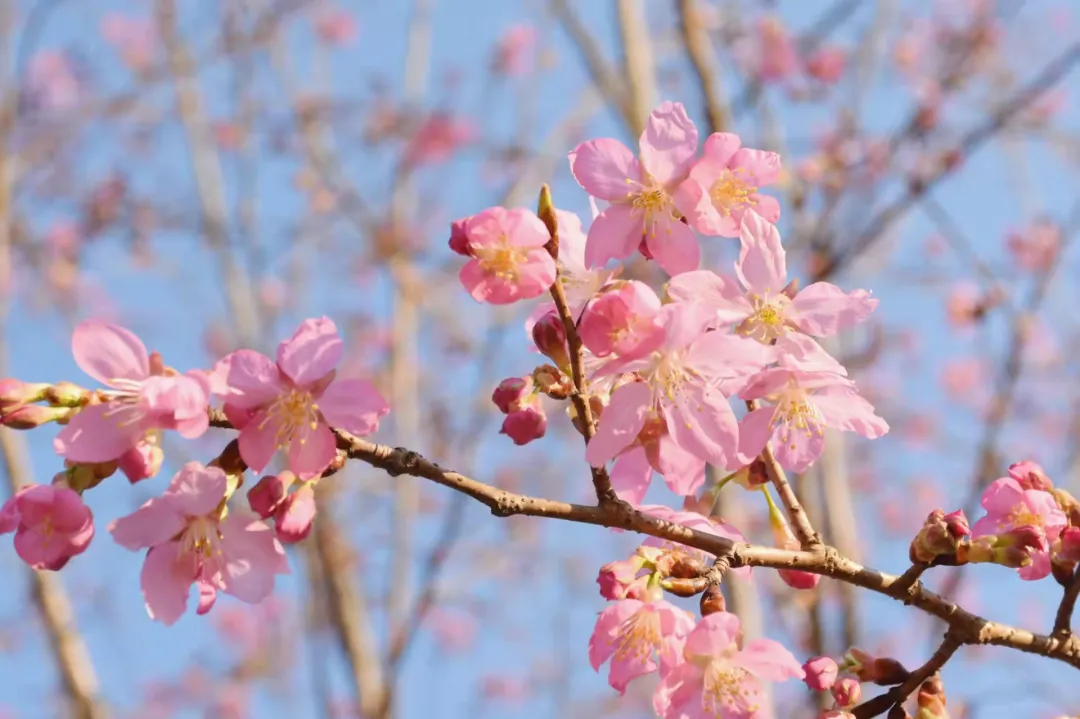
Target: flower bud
(142, 461)
(459, 239)
(67, 394)
(552, 382)
(931, 700)
(1068, 544)
(820, 673)
(712, 600)
(614, 577)
(525, 425)
(684, 587)
(511, 393)
(1031, 476)
(1015, 548)
(82, 477)
(847, 692)
(16, 392)
(1068, 505)
(752, 476)
(293, 519)
(32, 416)
(687, 567)
(883, 671)
(269, 492)
(549, 335)
(940, 536)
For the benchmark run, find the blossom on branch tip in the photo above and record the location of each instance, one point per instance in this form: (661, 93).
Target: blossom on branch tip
(1031, 475)
(623, 319)
(142, 397)
(645, 201)
(820, 673)
(717, 678)
(508, 261)
(51, 525)
(847, 692)
(638, 637)
(292, 403)
(525, 424)
(804, 404)
(193, 538)
(724, 184)
(1009, 507)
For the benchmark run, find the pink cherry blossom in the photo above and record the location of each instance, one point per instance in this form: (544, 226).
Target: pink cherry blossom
(820, 673)
(720, 680)
(141, 398)
(293, 403)
(654, 449)
(50, 522)
(804, 404)
(514, 51)
(508, 260)
(193, 539)
(1008, 506)
(725, 182)
(638, 638)
(759, 305)
(624, 319)
(681, 383)
(644, 197)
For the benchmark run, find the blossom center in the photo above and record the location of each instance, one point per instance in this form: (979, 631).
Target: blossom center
(501, 260)
(1022, 515)
(725, 688)
(201, 540)
(292, 413)
(638, 637)
(730, 192)
(795, 411)
(653, 204)
(768, 319)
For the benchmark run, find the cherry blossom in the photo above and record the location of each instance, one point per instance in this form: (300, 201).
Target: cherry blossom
(1009, 506)
(51, 525)
(638, 637)
(725, 181)
(508, 260)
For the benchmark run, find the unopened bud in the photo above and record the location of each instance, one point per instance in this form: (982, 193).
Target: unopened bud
(459, 239)
(511, 393)
(15, 392)
(847, 692)
(67, 394)
(687, 567)
(712, 600)
(1068, 505)
(552, 382)
(294, 518)
(1015, 548)
(1031, 476)
(1068, 544)
(269, 492)
(32, 416)
(549, 335)
(525, 425)
(752, 476)
(142, 461)
(940, 536)
(684, 587)
(820, 673)
(615, 577)
(931, 700)
(883, 671)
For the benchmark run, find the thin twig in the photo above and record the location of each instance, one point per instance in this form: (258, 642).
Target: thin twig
(895, 696)
(1063, 619)
(702, 57)
(800, 521)
(638, 64)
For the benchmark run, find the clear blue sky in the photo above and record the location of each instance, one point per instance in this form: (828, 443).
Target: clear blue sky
(554, 615)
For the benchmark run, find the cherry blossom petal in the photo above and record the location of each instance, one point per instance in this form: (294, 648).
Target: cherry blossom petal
(668, 143)
(768, 659)
(312, 352)
(767, 207)
(602, 641)
(762, 266)
(166, 580)
(251, 560)
(196, 490)
(620, 423)
(761, 166)
(683, 473)
(674, 246)
(631, 475)
(108, 353)
(353, 405)
(823, 309)
(253, 379)
(154, 523)
(720, 147)
(259, 440)
(755, 430)
(796, 449)
(311, 451)
(847, 410)
(615, 234)
(603, 167)
(725, 356)
(716, 292)
(98, 433)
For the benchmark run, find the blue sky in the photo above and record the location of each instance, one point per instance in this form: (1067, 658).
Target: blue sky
(552, 613)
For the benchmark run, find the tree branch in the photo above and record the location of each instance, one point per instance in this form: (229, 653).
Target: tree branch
(700, 51)
(1063, 619)
(896, 696)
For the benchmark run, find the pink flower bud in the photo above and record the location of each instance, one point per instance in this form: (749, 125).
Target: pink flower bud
(51, 525)
(615, 577)
(1069, 544)
(269, 492)
(295, 515)
(512, 393)
(799, 580)
(1015, 548)
(142, 461)
(847, 692)
(459, 240)
(1031, 476)
(549, 335)
(940, 536)
(820, 673)
(32, 416)
(525, 425)
(884, 671)
(16, 392)
(957, 524)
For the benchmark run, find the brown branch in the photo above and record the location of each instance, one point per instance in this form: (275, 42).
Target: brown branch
(700, 51)
(800, 521)
(896, 696)
(1063, 619)
(638, 64)
(580, 398)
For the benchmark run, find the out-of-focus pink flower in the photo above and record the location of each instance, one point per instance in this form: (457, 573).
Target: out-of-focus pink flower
(1009, 506)
(437, 139)
(967, 304)
(293, 402)
(335, 26)
(135, 38)
(770, 55)
(805, 404)
(141, 398)
(190, 543)
(51, 525)
(508, 260)
(639, 638)
(514, 51)
(827, 64)
(454, 629)
(725, 183)
(644, 195)
(962, 377)
(717, 678)
(506, 689)
(52, 81)
(1035, 248)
